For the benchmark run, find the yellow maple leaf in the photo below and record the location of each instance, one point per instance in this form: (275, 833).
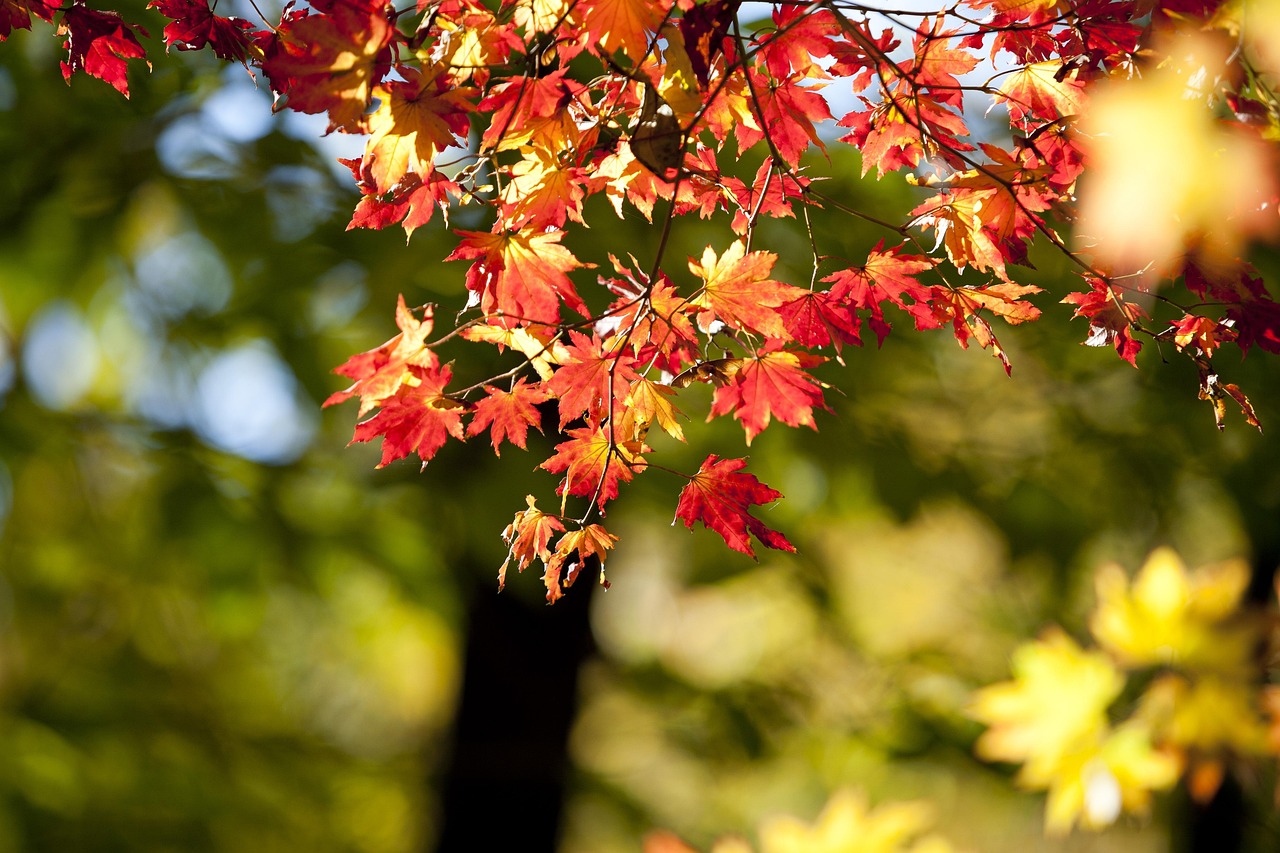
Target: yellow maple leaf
(1165, 173)
(1096, 785)
(1055, 706)
(847, 825)
(1169, 616)
(1207, 715)
(415, 121)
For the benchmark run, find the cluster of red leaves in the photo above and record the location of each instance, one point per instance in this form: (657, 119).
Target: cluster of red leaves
(650, 101)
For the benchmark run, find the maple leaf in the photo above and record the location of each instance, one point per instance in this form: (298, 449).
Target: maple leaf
(647, 402)
(704, 28)
(961, 305)
(508, 414)
(532, 110)
(799, 37)
(16, 14)
(786, 113)
(418, 418)
(194, 25)
(770, 194)
(411, 204)
(583, 544)
(1056, 704)
(938, 64)
(887, 276)
(539, 344)
(593, 464)
(621, 25)
(100, 44)
(1096, 784)
(658, 317)
(720, 496)
(541, 192)
(330, 62)
(1035, 94)
(1207, 715)
(737, 290)
(590, 382)
(848, 824)
(528, 537)
(380, 372)
(474, 40)
(416, 119)
(1202, 334)
(819, 318)
(771, 384)
(520, 276)
(903, 130)
(1171, 617)
(1111, 318)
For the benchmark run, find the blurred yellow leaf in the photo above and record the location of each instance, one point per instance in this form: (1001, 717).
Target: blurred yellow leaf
(1165, 173)
(846, 825)
(1095, 786)
(1054, 708)
(1206, 715)
(1171, 616)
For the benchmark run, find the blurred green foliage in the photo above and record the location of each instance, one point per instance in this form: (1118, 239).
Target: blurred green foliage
(199, 651)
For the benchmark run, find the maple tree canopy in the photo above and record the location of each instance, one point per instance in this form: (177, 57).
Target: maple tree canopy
(1148, 127)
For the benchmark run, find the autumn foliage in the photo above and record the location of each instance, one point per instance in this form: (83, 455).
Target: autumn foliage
(526, 108)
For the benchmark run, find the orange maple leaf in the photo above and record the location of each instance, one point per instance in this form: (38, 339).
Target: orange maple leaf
(380, 372)
(330, 62)
(771, 384)
(961, 305)
(590, 382)
(591, 541)
(417, 419)
(737, 290)
(416, 119)
(528, 537)
(1035, 94)
(508, 414)
(592, 461)
(621, 25)
(520, 276)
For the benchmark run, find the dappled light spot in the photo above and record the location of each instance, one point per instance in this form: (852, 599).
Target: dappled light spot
(248, 403)
(59, 356)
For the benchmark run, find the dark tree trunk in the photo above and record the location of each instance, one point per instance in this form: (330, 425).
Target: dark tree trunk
(505, 778)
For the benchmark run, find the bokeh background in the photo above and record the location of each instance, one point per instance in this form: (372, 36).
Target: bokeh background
(222, 629)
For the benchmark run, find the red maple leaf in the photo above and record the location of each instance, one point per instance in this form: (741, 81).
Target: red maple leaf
(771, 384)
(194, 25)
(1110, 318)
(417, 419)
(99, 44)
(520, 275)
(703, 29)
(380, 372)
(817, 319)
(330, 62)
(16, 14)
(887, 277)
(411, 204)
(509, 414)
(787, 112)
(721, 498)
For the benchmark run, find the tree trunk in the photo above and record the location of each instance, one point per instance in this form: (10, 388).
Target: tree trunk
(507, 773)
